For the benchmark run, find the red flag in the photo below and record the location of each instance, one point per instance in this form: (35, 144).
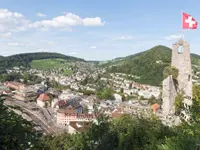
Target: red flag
(188, 22)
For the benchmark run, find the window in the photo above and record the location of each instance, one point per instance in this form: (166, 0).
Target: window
(180, 49)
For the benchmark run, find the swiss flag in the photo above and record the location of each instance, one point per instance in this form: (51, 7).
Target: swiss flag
(188, 22)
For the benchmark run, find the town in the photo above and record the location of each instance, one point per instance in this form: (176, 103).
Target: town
(70, 108)
(68, 99)
(99, 75)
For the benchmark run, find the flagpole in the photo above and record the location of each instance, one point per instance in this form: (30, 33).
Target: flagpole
(182, 25)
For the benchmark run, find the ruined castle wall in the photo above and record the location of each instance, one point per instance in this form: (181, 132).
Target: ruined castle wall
(168, 96)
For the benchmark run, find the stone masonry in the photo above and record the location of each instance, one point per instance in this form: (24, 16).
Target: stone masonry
(182, 61)
(168, 96)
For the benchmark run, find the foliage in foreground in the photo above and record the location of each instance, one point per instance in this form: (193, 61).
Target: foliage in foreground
(15, 132)
(127, 133)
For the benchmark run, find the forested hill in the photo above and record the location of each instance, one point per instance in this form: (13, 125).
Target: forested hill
(148, 65)
(26, 58)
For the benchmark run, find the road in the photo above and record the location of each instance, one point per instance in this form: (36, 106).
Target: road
(27, 110)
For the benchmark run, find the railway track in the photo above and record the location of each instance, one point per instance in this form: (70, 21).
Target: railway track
(36, 119)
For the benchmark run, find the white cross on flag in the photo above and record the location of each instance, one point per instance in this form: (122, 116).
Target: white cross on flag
(188, 22)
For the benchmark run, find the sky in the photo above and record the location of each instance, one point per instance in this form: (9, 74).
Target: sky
(94, 29)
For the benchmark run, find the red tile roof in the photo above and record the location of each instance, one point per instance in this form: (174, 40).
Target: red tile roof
(155, 107)
(43, 97)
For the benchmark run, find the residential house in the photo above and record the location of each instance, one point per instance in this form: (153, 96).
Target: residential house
(155, 107)
(118, 98)
(43, 100)
(57, 104)
(75, 103)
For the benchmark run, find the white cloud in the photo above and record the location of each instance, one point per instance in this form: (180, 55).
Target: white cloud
(5, 35)
(72, 53)
(124, 38)
(12, 21)
(15, 44)
(173, 37)
(93, 47)
(15, 22)
(67, 20)
(51, 43)
(93, 22)
(41, 15)
(17, 15)
(42, 50)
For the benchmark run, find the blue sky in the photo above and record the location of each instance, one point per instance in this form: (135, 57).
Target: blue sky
(94, 29)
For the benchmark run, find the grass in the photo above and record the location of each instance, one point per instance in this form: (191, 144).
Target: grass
(67, 72)
(45, 64)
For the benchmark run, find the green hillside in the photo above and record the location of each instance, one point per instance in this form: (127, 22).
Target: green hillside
(45, 64)
(148, 65)
(25, 59)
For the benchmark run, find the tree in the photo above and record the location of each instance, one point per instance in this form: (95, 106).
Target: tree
(130, 86)
(85, 81)
(85, 109)
(142, 97)
(195, 110)
(153, 100)
(196, 92)
(25, 81)
(178, 143)
(106, 94)
(15, 132)
(171, 71)
(87, 92)
(121, 90)
(178, 103)
(196, 103)
(123, 97)
(126, 133)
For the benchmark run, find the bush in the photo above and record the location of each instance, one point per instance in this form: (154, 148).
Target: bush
(171, 71)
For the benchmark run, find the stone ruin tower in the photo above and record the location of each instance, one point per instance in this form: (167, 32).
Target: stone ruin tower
(182, 61)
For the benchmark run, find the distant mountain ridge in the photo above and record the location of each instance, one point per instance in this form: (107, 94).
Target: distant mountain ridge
(149, 64)
(25, 58)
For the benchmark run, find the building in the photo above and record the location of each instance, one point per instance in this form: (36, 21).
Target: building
(15, 85)
(21, 91)
(155, 107)
(65, 96)
(66, 115)
(118, 98)
(78, 127)
(28, 94)
(43, 100)
(57, 104)
(75, 103)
